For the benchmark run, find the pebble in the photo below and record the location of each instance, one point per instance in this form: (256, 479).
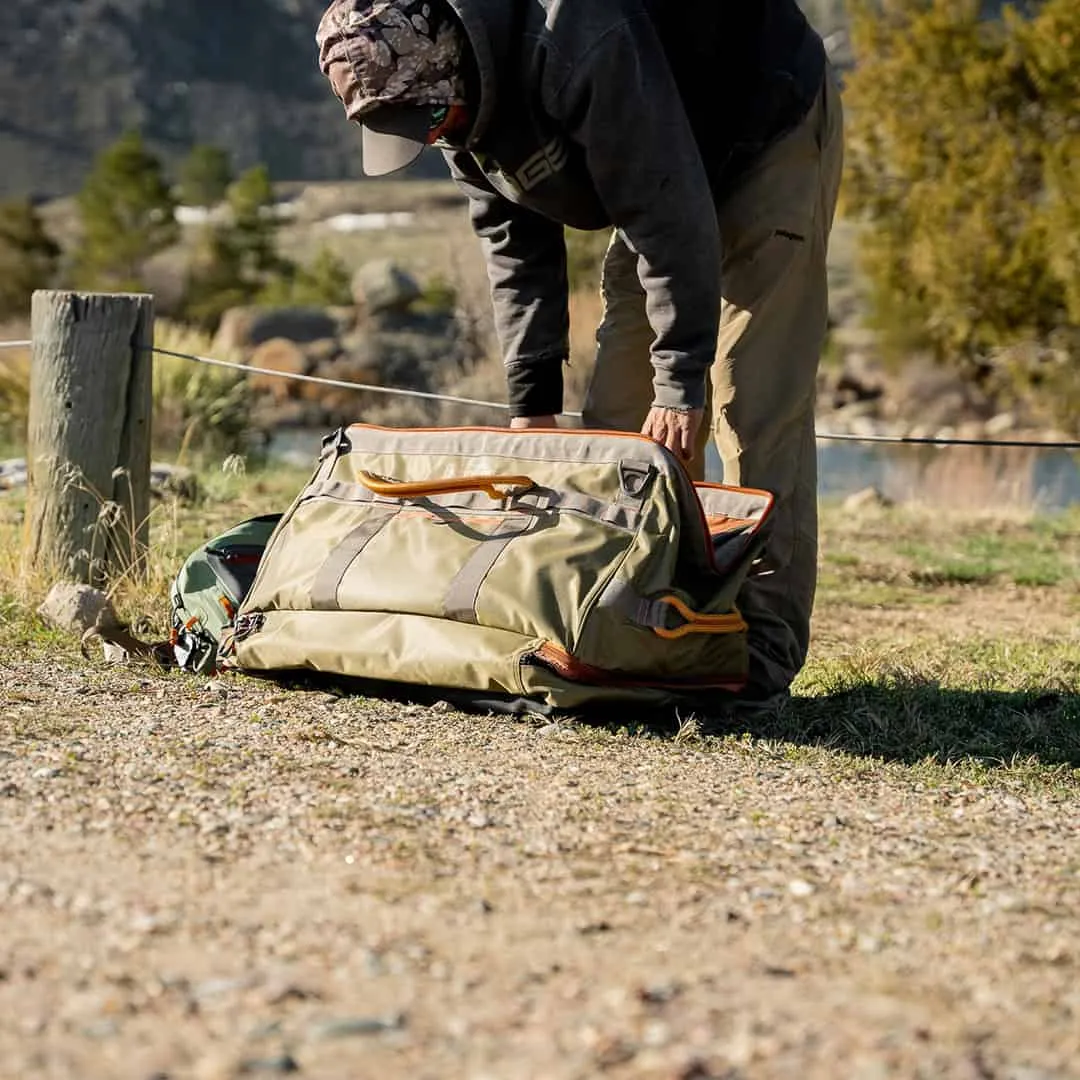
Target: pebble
(360, 1025)
(280, 1066)
(798, 887)
(47, 773)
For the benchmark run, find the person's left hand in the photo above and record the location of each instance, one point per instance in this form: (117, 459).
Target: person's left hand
(675, 429)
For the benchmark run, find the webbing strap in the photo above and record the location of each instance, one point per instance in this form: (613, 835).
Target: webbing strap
(620, 597)
(324, 589)
(464, 590)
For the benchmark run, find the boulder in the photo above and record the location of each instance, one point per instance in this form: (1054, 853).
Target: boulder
(245, 328)
(341, 404)
(76, 608)
(384, 286)
(234, 331)
(278, 354)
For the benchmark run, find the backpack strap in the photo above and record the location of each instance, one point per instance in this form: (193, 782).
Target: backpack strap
(109, 632)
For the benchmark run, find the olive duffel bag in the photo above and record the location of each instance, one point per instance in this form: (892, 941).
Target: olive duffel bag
(558, 568)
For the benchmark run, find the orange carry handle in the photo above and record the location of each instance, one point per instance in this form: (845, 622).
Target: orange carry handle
(696, 623)
(400, 489)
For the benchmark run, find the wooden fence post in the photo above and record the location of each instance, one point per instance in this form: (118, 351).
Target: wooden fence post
(88, 452)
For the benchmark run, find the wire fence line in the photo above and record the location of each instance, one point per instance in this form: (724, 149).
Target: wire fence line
(339, 383)
(910, 440)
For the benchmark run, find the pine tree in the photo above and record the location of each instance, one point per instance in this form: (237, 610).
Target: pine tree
(239, 258)
(205, 176)
(127, 214)
(29, 257)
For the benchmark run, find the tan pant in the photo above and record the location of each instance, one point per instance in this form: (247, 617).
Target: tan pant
(775, 227)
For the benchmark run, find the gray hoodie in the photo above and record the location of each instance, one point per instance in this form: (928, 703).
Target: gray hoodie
(630, 113)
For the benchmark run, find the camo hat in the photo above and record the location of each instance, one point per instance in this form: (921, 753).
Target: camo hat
(394, 64)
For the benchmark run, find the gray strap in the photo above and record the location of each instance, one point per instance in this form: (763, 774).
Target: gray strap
(622, 517)
(464, 591)
(324, 589)
(635, 480)
(621, 598)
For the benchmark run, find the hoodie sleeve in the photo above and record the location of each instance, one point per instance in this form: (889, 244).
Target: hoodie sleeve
(526, 263)
(621, 105)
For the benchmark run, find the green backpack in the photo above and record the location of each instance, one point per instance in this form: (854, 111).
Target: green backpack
(209, 590)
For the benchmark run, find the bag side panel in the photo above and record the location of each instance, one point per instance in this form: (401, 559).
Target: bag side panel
(376, 645)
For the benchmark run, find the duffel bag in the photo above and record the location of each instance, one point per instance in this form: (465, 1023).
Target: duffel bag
(559, 567)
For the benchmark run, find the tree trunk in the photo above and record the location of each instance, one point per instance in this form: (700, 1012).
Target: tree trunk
(89, 435)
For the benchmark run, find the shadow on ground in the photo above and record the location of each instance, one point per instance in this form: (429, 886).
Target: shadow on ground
(911, 723)
(904, 723)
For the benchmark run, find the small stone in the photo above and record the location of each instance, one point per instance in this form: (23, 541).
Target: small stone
(356, 1026)
(867, 497)
(798, 887)
(47, 773)
(479, 821)
(601, 926)
(279, 1066)
(101, 1029)
(279, 993)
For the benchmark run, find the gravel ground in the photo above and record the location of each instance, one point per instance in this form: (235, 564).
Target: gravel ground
(223, 879)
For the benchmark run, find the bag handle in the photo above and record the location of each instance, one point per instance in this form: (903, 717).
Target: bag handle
(401, 489)
(697, 623)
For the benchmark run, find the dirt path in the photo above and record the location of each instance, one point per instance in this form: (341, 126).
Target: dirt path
(204, 880)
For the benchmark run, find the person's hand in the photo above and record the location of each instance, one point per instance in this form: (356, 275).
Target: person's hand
(675, 429)
(523, 423)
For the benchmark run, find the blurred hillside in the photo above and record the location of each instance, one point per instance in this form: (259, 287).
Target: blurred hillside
(75, 74)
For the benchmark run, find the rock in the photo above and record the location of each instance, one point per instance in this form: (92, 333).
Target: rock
(278, 1066)
(340, 403)
(234, 331)
(298, 324)
(384, 286)
(175, 481)
(860, 379)
(345, 319)
(867, 497)
(278, 354)
(1000, 424)
(12, 474)
(243, 328)
(323, 351)
(362, 1025)
(340, 399)
(75, 608)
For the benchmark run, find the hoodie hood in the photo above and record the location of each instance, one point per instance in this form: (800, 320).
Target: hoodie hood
(489, 25)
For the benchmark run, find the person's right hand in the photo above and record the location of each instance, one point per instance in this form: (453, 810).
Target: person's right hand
(524, 423)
